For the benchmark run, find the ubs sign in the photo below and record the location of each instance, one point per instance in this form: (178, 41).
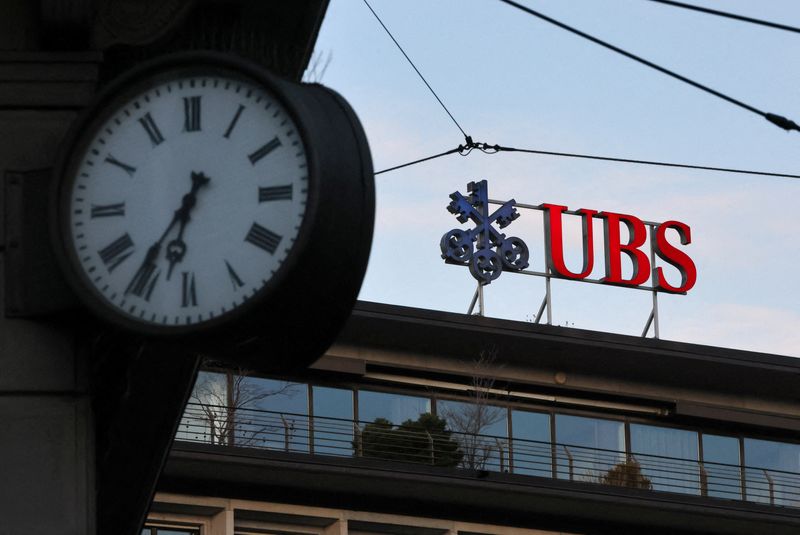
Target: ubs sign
(488, 252)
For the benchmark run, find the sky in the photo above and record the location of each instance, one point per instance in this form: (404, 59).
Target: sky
(514, 80)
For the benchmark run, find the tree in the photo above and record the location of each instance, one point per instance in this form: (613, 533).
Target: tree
(627, 474)
(424, 440)
(471, 420)
(222, 400)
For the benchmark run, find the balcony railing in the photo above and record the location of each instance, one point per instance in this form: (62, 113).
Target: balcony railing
(300, 433)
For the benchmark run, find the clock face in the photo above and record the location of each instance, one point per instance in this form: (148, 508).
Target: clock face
(184, 198)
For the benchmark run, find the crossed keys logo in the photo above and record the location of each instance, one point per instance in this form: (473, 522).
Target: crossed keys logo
(484, 263)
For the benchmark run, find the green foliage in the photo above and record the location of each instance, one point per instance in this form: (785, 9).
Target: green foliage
(627, 474)
(424, 440)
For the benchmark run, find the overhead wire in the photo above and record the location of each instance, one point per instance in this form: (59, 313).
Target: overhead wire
(445, 153)
(470, 145)
(439, 100)
(464, 150)
(728, 15)
(775, 119)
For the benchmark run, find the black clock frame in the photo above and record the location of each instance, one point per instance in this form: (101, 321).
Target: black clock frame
(296, 315)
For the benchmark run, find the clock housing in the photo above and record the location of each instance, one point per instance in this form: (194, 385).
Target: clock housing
(202, 196)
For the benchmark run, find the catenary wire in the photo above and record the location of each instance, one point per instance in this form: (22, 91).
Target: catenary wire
(445, 153)
(499, 148)
(493, 149)
(418, 73)
(729, 15)
(777, 120)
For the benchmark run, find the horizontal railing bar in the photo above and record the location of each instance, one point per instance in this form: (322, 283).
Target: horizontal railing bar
(299, 432)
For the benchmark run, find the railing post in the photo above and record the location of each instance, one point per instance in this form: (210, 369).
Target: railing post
(703, 480)
(502, 455)
(771, 484)
(359, 443)
(430, 447)
(571, 464)
(285, 434)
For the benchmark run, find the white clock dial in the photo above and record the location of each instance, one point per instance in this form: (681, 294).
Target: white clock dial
(187, 199)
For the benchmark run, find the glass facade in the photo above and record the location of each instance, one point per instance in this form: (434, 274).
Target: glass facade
(333, 424)
(721, 467)
(588, 448)
(154, 530)
(652, 445)
(396, 408)
(771, 472)
(482, 431)
(530, 448)
(346, 421)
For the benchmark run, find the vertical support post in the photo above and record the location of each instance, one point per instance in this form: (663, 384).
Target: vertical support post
(655, 314)
(359, 442)
(571, 462)
(742, 470)
(771, 484)
(541, 310)
(548, 297)
(654, 274)
(481, 309)
(285, 433)
(703, 480)
(475, 298)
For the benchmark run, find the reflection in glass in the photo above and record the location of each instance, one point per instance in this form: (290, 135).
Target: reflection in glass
(271, 414)
(721, 467)
(395, 408)
(680, 472)
(588, 448)
(773, 472)
(206, 417)
(482, 431)
(333, 421)
(530, 446)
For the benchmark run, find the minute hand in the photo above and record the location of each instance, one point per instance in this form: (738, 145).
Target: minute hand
(176, 249)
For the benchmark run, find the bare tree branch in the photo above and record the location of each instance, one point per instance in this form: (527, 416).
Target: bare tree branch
(471, 420)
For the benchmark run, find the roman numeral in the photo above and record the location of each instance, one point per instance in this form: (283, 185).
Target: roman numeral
(191, 113)
(263, 238)
(270, 146)
(235, 280)
(188, 295)
(144, 281)
(125, 167)
(275, 193)
(152, 130)
(108, 210)
(116, 252)
(233, 121)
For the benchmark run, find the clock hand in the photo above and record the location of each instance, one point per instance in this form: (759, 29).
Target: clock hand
(176, 249)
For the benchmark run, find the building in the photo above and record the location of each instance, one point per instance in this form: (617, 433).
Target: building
(548, 430)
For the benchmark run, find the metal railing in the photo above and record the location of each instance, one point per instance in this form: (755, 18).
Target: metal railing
(300, 433)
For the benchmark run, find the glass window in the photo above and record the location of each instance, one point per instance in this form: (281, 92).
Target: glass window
(168, 531)
(271, 413)
(333, 421)
(531, 449)
(773, 472)
(589, 449)
(206, 417)
(482, 431)
(395, 408)
(667, 458)
(722, 471)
